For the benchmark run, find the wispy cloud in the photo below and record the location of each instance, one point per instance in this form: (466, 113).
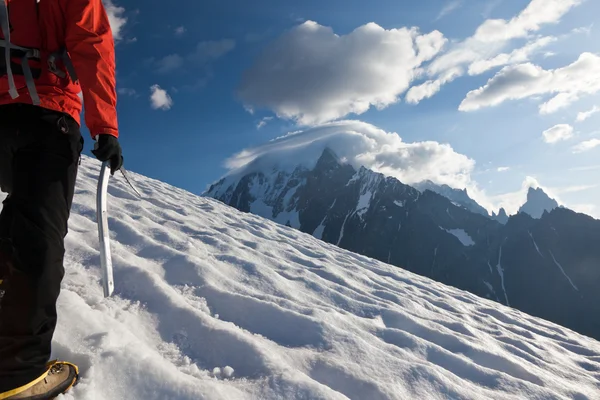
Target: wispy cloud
(491, 38)
(582, 116)
(127, 92)
(204, 53)
(574, 189)
(169, 63)
(586, 145)
(160, 99)
(558, 133)
(263, 122)
(503, 169)
(586, 168)
(449, 8)
(566, 84)
(180, 30)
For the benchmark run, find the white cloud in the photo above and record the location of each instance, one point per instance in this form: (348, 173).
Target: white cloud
(582, 116)
(429, 88)
(180, 30)
(160, 99)
(558, 133)
(362, 144)
(586, 30)
(263, 122)
(536, 14)
(516, 56)
(586, 145)
(503, 169)
(483, 50)
(449, 8)
(528, 80)
(116, 18)
(312, 75)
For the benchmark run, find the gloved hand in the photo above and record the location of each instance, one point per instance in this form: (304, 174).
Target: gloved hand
(107, 148)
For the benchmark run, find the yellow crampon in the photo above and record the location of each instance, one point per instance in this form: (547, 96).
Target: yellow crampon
(23, 388)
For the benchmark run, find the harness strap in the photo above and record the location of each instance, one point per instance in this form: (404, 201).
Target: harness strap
(5, 26)
(62, 55)
(35, 97)
(26, 55)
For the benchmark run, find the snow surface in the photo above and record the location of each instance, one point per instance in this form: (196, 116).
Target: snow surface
(212, 303)
(461, 235)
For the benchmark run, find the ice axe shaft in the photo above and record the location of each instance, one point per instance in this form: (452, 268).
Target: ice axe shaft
(103, 231)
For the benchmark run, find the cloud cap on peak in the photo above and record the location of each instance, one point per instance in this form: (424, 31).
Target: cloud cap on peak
(361, 144)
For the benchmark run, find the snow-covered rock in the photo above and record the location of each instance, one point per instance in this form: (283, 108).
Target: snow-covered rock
(459, 197)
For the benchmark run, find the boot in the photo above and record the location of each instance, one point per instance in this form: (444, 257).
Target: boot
(58, 379)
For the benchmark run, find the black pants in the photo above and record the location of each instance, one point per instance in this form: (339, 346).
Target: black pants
(39, 154)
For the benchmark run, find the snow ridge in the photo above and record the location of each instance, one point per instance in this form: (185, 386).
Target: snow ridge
(213, 304)
(563, 271)
(501, 273)
(535, 244)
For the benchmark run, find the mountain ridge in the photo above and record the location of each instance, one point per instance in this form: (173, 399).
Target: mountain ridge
(428, 234)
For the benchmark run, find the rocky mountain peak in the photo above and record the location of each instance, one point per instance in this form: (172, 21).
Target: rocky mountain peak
(537, 203)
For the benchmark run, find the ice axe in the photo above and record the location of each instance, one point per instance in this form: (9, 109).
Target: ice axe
(108, 281)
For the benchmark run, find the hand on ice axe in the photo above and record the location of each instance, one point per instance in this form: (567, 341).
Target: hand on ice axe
(107, 148)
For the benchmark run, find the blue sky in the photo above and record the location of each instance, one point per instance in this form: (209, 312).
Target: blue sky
(470, 87)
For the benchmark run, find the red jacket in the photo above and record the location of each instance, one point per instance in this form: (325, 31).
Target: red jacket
(82, 27)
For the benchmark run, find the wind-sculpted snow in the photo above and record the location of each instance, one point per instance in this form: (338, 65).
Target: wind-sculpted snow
(212, 303)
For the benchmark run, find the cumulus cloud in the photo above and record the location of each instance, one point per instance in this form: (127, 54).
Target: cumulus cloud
(204, 53)
(362, 144)
(558, 133)
(582, 116)
(116, 18)
(567, 84)
(160, 99)
(312, 75)
(484, 50)
(586, 145)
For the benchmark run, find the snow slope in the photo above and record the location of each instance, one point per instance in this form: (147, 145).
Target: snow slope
(214, 304)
